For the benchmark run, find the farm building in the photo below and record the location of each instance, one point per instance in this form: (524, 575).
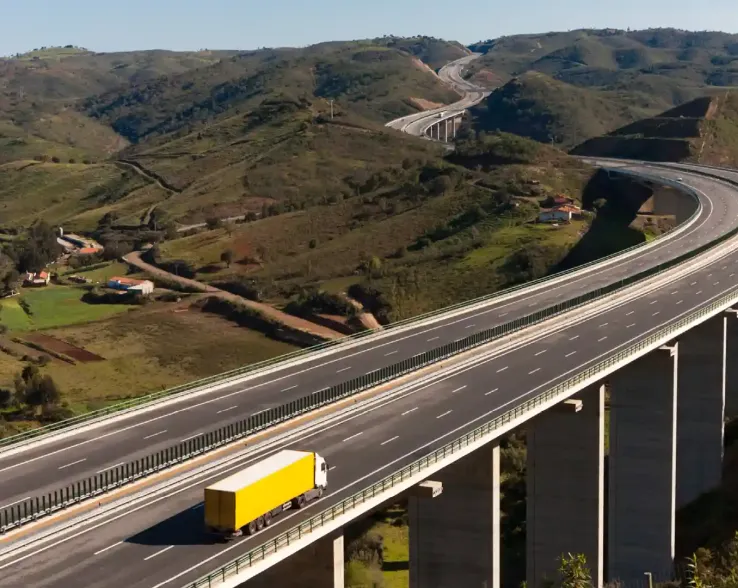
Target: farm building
(37, 279)
(130, 285)
(559, 214)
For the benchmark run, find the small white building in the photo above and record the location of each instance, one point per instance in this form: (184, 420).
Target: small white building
(37, 279)
(144, 287)
(559, 214)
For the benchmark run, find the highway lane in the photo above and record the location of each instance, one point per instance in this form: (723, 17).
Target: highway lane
(450, 74)
(164, 542)
(53, 466)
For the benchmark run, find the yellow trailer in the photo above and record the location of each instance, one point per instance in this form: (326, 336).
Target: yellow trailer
(248, 500)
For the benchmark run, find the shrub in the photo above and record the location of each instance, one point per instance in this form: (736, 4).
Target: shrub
(241, 286)
(313, 301)
(103, 296)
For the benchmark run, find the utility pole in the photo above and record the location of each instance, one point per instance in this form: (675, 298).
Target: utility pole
(331, 101)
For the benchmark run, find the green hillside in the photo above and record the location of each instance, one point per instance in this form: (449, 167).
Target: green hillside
(213, 133)
(667, 66)
(420, 234)
(537, 106)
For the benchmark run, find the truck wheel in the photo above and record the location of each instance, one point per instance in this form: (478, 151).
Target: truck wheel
(251, 527)
(260, 523)
(320, 492)
(301, 501)
(268, 519)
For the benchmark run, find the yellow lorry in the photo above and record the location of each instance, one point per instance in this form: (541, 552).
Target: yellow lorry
(248, 500)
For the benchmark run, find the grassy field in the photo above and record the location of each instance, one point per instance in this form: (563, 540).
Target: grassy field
(53, 306)
(102, 274)
(152, 348)
(74, 194)
(13, 316)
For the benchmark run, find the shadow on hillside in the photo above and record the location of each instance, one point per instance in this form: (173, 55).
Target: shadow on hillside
(395, 566)
(619, 198)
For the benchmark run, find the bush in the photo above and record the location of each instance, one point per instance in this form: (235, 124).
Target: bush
(241, 286)
(179, 267)
(359, 575)
(372, 300)
(7, 398)
(103, 296)
(213, 223)
(313, 301)
(368, 549)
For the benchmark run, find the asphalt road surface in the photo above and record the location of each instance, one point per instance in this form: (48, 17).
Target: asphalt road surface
(54, 465)
(164, 543)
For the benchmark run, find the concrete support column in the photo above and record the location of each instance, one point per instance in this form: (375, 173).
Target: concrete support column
(455, 538)
(642, 467)
(455, 119)
(445, 130)
(565, 480)
(319, 565)
(701, 409)
(731, 376)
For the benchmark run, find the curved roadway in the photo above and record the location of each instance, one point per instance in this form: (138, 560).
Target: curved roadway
(417, 124)
(53, 465)
(163, 542)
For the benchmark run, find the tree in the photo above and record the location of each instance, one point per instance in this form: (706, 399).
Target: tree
(227, 257)
(441, 185)
(313, 243)
(37, 249)
(212, 223)
(574, 571)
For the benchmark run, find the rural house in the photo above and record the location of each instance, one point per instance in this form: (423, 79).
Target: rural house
(144, 287)
(37, 279)
(563, 213)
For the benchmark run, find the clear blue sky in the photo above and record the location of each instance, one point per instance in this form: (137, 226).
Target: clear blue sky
(103, 25)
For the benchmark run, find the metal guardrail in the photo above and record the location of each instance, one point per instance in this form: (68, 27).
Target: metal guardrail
(225, 377)
(37, 507)
(289, 537)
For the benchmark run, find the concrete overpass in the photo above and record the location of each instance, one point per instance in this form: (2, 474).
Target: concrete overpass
(445, 428)
(441, 123)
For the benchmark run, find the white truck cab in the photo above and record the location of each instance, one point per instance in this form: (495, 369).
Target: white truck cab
(321, 472)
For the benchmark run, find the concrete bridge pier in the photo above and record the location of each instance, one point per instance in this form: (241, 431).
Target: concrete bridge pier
(565, 481)
(319, 565)
(731, 371)
(701, 409)
(455, 538)
(642, 467)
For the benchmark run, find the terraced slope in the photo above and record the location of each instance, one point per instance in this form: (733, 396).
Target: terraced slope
(704, 130)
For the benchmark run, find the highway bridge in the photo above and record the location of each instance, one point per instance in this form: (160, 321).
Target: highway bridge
(660, 345)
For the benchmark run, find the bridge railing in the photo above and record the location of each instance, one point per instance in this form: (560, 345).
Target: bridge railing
(486, 431)
(33, 508)
(253, 369)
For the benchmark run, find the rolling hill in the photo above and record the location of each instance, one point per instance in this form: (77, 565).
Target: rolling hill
(665, 66)
(207, 133)
(540, 107)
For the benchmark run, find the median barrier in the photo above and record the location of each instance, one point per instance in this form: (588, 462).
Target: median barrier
(254, 370)
(33, 508)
